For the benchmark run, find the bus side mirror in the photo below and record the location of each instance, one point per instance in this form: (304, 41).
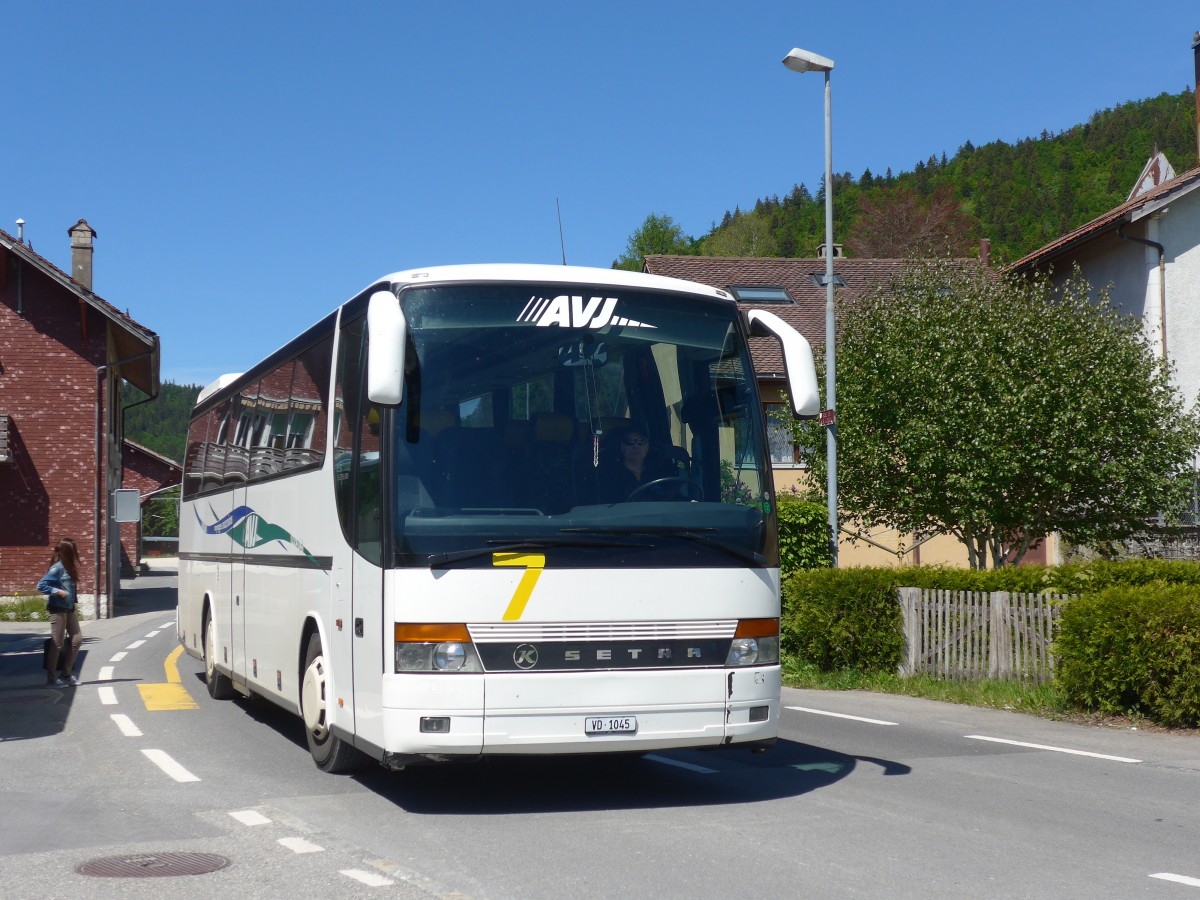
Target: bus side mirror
(798, 363)
(387, 334)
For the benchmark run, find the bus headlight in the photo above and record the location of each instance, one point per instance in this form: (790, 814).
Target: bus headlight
(755, 643)
(449, 657)
(424, 647)
(743, 652)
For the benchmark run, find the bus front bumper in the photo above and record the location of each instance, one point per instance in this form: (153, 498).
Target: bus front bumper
(438, 716)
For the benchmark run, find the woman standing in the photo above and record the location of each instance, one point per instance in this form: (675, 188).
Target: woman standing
(59, 588)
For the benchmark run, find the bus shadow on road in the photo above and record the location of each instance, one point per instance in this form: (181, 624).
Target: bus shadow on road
(500, 785)
(677, 778)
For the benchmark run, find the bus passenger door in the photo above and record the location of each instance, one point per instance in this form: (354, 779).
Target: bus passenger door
(361, 442)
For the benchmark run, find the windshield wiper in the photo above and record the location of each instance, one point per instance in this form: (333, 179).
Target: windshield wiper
(697, 535)
(527, 546)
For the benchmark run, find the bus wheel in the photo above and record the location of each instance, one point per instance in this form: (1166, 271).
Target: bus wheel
(329, 752)
(220, 687)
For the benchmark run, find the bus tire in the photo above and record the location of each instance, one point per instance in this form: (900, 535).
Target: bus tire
(329, 752)
(220, 687)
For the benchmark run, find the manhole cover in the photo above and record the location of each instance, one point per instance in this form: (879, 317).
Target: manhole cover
(153, 865)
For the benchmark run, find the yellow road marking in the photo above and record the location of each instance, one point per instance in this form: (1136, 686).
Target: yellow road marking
(172, 695)
(159, 697)
(533, 563)
(171, 665)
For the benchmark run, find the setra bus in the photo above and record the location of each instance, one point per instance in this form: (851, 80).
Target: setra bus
(401, 526)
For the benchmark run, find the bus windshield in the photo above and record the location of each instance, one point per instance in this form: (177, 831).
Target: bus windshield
(601, 426)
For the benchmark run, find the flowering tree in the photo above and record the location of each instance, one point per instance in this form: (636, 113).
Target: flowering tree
(1000, 410)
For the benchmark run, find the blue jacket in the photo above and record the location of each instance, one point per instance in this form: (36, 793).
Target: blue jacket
(57, 580)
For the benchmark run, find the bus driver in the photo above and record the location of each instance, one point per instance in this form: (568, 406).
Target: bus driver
(634, 466)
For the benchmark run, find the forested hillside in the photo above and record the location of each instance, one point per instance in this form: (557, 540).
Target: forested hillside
(1020, 196)
(162, 423)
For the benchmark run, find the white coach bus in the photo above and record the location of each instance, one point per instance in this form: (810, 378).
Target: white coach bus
(421, 525)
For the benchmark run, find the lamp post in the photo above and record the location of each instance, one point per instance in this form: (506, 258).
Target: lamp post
(805, 61)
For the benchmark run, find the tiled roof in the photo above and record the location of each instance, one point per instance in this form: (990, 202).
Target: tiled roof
(153, 454)
(130, 338)
(1123, 214)
(807, 314)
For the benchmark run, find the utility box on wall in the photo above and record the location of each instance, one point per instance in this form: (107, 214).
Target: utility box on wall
(127, 505)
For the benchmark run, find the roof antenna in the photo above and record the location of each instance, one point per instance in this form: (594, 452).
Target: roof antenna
(561, 242)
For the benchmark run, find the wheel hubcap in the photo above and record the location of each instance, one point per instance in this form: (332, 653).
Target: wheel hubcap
(313, 698)
(209, 643)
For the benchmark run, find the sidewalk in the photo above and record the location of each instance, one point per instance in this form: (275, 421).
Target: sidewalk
(150, 597)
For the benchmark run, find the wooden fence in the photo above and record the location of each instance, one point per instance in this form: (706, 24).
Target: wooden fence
(961, 635)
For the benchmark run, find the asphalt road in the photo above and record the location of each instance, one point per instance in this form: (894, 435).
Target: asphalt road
(865, 796)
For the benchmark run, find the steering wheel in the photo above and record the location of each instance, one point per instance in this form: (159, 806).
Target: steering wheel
(689, 485)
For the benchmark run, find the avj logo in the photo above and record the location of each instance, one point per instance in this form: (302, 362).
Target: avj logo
(576, 312)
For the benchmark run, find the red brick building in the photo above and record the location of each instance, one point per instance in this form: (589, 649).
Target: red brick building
(63, 353)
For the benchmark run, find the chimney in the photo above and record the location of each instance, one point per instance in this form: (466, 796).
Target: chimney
(985, 252)
(1196, 86)
(82, 236)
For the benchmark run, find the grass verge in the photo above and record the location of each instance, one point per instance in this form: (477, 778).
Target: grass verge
(1042, 700)
(1036, 699)
(24, 609)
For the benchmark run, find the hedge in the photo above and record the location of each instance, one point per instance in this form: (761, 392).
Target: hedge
(1128, 641)
(803, 535)
(839, 622)
(1134, 649)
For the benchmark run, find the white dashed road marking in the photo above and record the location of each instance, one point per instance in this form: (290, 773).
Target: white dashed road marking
(681, 765)
(370, 879)
(1178, 879)
(135, 645)
(300, 845)
(822, 712)
(106, 673)
(168, 765)
(107, 696)
(250, 817)
(126, 725)
(995, 740)
(117, 657)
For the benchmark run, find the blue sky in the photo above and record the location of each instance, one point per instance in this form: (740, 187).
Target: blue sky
(250, 165)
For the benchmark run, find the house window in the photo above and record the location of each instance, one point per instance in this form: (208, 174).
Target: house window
(760, 293)
(5, 448)
(784, 451)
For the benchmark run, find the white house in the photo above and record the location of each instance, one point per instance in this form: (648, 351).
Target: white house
(1146, 252)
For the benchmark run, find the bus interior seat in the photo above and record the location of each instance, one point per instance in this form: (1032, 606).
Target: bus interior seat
(550, 460)
(473, 465)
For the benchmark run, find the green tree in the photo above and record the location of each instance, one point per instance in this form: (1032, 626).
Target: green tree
(658, 234)
(1000, 410)
(749, 234)
(160, 514)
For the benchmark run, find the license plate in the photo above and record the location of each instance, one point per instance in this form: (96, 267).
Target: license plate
(609, 724)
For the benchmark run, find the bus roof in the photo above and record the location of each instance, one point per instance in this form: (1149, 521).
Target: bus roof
(514, 272)
(553, 274)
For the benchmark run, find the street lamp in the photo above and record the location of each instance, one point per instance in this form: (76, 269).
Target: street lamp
(804, 61)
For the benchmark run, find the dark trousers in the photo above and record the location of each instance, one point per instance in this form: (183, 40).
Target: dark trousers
(61, 625)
